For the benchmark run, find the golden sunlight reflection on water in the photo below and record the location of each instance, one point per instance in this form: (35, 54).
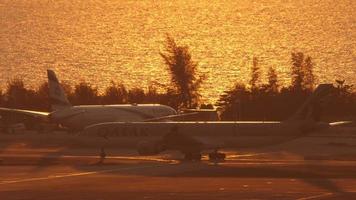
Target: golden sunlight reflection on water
(99, 41)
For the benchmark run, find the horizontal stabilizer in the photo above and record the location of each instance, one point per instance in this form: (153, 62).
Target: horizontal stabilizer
(28, 113)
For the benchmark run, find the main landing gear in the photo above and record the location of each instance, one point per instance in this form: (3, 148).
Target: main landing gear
(216, 156)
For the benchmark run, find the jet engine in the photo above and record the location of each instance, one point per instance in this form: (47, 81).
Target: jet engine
(146, 148)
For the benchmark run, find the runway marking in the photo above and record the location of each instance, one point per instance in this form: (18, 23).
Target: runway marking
(316, 196)
(76, 174)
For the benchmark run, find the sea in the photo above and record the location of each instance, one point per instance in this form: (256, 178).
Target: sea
(104, 41)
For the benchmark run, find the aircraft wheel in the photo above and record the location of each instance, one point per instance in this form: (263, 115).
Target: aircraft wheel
(216, 156)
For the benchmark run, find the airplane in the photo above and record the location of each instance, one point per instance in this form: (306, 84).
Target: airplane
(76, 118)
(193, 138)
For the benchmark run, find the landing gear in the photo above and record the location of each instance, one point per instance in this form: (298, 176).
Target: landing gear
(217, 156)
(192, 156)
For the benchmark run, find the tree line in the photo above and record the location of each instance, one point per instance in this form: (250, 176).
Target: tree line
(252, 101)
(271, 101)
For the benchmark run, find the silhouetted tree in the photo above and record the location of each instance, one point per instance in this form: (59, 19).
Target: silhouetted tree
(255, 74)
(172, 98)
(136, 95)
(297, 70)
(302, 72)
(233, 102)
(343, 90)
(152, 96)
(269, 101)
(183, 71)
(84, 93)
(17, 95)
(68, 90)
(115, 94)
(342, 102)
(309, 78)
(272, 85)
(42, 98)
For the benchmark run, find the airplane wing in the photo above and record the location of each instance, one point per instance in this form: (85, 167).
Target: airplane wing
(27, 113)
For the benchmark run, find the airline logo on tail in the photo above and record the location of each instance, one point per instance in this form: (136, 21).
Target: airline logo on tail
(58, 98)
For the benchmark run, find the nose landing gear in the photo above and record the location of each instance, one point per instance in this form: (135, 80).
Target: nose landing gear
(216, 156)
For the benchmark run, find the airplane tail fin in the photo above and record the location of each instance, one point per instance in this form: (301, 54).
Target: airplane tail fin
(310, 109)
(57, 96)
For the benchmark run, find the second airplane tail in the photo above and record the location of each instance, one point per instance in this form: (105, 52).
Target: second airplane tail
(310, 109)
(57, 96)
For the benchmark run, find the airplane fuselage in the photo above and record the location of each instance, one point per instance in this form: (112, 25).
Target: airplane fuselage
(78, 117)
(197, 136)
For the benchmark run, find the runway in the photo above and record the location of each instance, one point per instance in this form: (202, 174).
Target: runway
(56, 174)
